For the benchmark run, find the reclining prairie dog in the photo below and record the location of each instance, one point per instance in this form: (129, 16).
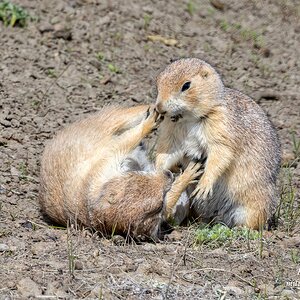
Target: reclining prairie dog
(204, 120)
(95, 173)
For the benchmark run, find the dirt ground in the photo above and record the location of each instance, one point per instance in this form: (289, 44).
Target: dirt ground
(79, 55)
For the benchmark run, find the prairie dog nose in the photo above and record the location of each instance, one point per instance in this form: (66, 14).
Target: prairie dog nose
(159, 109)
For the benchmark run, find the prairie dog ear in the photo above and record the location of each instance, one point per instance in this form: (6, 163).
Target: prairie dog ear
(205, 71)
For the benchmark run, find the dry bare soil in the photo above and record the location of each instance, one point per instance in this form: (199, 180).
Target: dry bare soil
(79, 55)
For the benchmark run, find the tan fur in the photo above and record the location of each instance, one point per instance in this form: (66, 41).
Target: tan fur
(82, 179)
(227, 128)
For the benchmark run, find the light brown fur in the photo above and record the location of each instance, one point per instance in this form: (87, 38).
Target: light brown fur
(230, 131)
(83, 178)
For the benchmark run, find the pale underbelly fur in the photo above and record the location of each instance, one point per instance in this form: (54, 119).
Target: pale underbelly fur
(221, 206)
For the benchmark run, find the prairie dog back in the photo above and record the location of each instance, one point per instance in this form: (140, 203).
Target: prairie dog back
(72, 154)
(96, 173)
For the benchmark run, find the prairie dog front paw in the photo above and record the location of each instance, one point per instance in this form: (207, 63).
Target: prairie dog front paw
(152, 120)
(204, 189)
(192, 172)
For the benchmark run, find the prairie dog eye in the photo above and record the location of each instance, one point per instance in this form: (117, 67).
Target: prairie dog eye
(186, 86)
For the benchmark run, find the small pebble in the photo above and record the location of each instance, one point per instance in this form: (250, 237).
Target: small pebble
(78, 265)
(96, 253)
(118, 240)
(28, 288)
(4, 247)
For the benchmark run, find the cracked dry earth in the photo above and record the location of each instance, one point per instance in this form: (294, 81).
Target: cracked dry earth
(79, 55)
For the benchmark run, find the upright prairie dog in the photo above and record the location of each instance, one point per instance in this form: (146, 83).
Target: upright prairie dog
(204, 120)
(95, 173)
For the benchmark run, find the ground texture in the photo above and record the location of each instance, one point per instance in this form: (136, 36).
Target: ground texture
(79, 55)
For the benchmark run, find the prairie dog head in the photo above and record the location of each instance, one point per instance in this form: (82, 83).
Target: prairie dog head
(188, 87)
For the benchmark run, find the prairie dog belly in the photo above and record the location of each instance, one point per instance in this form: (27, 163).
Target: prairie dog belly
(195, 143)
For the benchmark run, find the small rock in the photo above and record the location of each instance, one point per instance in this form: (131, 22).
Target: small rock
(174, 236)
(5, 123)
(39, 248)
(97, 64)
(149, 247)
(27, 225)
(268, 95)
(62, 31)
(45, 27)
(14, 171)
(103, 20)
(4, 247)
(266, 254)
(144, 268)
(55, 20)
(28, 288)
(96, 253)
(266, 52)
(134, 99)
(78, 265)
(105, 80)
(293, 242)
(2, 189)
(217, 4)
(118, 240)
(12, 201)
(233, 290)
(106, 242)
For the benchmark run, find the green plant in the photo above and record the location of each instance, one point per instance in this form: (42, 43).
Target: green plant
(117, 36)
(224, 25)
(100, 295)
(207, 47)
(147, 20)
(70, 249)
(13, 15)
(295, 256)
(262, 295)
(191, 7)
(211, 11)
(51, 73)
(100, 56)
(23, 171)
(35, 103)
(113, 68)
(296, 145)
(147, 47)
(113, 231)
(288, 209)
(261, 244)
(220, 234)
(258, 63)
(244, 33)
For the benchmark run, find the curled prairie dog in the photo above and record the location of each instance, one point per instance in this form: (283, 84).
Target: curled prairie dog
(204, 120)
(96, 173)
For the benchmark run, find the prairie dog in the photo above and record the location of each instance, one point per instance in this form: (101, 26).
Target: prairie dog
(95, 173)
(204, 120)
